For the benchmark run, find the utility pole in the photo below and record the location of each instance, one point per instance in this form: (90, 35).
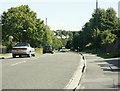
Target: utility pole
(0, 35)
(119, 9)
(96, 22)
(46, 21)
(46, 32)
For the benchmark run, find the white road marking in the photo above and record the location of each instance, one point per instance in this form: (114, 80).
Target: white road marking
(18, 63)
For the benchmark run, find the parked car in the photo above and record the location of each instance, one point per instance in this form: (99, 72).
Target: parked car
(23, 49)
(63, 50)
(48, 49)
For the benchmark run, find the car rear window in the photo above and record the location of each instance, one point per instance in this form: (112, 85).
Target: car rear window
(48, 46)
(22, 45)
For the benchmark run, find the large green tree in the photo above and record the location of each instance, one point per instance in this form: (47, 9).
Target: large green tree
(107, 26)
(22, 23)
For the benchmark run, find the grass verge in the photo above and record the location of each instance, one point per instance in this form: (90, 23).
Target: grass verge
(6, 54)
(103, 55)
(38, 50)
(108, 55)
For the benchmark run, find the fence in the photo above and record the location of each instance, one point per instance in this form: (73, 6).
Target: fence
(3, 49)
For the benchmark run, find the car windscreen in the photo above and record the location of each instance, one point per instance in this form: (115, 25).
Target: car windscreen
(21, 45)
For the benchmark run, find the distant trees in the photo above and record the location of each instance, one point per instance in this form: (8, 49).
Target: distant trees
(66, 42)
(22, 24)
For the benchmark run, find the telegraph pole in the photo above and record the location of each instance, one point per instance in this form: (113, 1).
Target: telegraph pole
(96, 23)
(0, 35)
(46, 33)
(119, 9)
(46, 21)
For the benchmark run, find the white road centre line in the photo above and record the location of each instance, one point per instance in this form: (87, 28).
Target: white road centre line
(18, 63)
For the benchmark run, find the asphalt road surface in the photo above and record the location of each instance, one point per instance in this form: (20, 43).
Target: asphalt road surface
(45, 71)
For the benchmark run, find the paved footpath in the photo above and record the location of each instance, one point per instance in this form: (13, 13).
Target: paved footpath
(100, 73)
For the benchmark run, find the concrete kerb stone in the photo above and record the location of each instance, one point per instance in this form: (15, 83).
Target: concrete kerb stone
(75, 80)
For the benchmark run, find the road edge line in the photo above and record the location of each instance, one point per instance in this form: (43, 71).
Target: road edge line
(74, 82)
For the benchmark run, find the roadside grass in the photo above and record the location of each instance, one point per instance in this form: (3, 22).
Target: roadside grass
(108, 55)
(38, 50)
(103, 55)
(6, 54)
(55, 51)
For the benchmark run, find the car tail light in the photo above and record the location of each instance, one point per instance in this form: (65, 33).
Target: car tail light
(24, 48)
(50, 48)
(43, 48)
(13, 48)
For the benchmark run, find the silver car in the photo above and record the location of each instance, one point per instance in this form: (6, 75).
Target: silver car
(23, 49)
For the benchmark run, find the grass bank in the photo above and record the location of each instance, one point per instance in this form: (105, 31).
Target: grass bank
(6, 54)
(103, 55)
(38, 50)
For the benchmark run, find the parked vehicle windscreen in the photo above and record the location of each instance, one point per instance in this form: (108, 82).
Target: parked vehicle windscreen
(21, 45)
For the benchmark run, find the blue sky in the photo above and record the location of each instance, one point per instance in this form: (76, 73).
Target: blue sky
(62, 14)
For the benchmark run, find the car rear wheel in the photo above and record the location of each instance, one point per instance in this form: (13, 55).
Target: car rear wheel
(33, 55)
(20, 56)
(14, 56)
(52, 52)
(29, 55)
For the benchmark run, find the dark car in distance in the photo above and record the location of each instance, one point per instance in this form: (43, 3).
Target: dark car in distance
(48, 49)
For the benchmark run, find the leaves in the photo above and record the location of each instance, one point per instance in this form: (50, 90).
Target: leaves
(107, 26)
(22, 23)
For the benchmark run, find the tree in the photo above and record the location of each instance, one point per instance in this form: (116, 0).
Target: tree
(107, 25)
(22, 23)
(16, 20)
(111, 19)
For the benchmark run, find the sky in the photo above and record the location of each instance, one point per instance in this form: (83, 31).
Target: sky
(62, 14)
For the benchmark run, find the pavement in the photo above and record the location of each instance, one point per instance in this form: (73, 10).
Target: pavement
(100, 73)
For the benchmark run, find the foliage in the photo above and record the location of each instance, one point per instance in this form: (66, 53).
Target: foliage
(38, 50)
(108, 30)
(22, 23)
(107, 37)
(66, 42)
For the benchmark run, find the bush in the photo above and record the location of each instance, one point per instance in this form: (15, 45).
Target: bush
(38, 50)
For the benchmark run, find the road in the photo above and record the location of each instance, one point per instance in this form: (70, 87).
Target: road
(45, 71)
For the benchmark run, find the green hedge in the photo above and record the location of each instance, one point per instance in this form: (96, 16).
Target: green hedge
(103, 55)
(38, 50)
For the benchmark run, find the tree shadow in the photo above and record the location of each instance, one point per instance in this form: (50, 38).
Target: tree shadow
(111, 62)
